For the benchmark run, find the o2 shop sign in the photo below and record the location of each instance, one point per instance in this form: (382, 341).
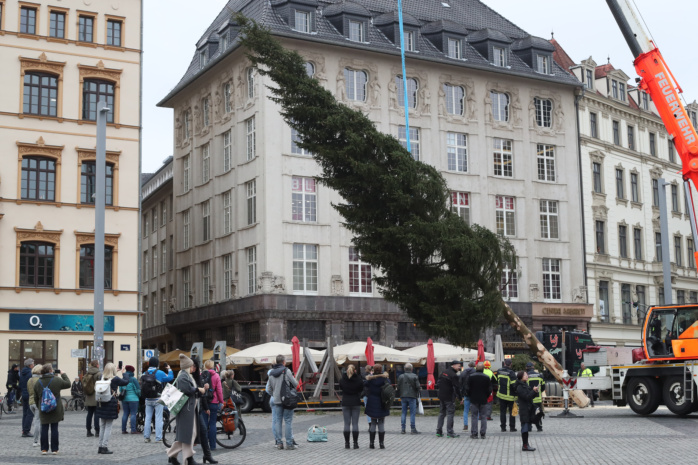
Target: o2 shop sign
(51, 322)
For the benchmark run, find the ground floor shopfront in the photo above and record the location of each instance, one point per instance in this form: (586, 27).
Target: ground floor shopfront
(65, 338)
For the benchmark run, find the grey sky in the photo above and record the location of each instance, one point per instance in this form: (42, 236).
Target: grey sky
(172, 28)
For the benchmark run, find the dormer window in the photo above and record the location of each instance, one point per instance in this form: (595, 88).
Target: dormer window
(645, 101)
(614, 88)
(203, 57)
(409, 41)
(543, 64)
(499, 56)
(302, 21)
(357, 31)
(693, 118)
(589, 83)
(224, 40)
(621, 91)
(455, 48)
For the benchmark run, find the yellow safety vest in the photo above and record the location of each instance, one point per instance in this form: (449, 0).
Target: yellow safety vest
(535, 379)
(586, 373)
(506, 381)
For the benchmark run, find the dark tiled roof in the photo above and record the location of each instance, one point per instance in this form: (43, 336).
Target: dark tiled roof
(391, 17)
(533, 42)
(346, 7)
(145, 177)
(444, 25)
(301, 2)
(561, 57)
(488, 34)
(603, 70)
(463, 15)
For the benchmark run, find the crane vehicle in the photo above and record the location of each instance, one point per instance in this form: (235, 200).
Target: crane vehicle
(663, 371)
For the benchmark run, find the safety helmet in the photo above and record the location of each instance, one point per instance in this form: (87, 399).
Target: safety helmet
(487, 364)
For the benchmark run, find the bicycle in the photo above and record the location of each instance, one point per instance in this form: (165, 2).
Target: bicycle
(230, 429)
(76, 403)
(7, 407)
(140, 417)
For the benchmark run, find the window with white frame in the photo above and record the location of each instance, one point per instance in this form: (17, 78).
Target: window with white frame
(454, 99)
(205, 163)
(203, 58)
(205, 282)
(455, 48)
(505, 215)
(355, 84)
(503, 158)
(305, 268)
(186, 231)
(549, 219)
(206, 110)
(186, 287)
(228, 276)
(251, 189)
(227, 96)
(414, 139)
(543, 64)
(302, 21)
(360, 275)
(546, 162)
(206, 220)
(412, 87)
(251, 253)
(544, 112)
(499, 57)
(227, 151)
(410, 45)
(510, 283)
(295, 140)
(500, 106)
(250, 82)
(552, 289)
(163, 256)
(457, 148)
(251, 138)
(460, 205)
(357, 31)
(186, 172)
(227, 212)
(304, 199)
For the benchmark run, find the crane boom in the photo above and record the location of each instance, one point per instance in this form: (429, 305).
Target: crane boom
(657, 80)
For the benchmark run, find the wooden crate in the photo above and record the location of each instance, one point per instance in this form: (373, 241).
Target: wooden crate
(553, 402)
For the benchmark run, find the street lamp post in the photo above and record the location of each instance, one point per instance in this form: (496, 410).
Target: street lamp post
(100, 200)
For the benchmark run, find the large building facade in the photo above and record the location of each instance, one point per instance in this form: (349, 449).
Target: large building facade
(58, 59)
(261, 255)
(625, 151)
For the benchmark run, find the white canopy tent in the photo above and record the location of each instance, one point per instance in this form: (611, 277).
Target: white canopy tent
(445, 353)
(265, 354)
(356, 352)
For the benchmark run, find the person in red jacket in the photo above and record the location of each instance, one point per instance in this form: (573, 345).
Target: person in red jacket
(215, 402)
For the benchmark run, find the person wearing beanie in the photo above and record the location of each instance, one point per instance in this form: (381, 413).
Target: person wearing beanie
(187, 417)
(27, 415)
(525, 395)
(131, 395)
(152, 382)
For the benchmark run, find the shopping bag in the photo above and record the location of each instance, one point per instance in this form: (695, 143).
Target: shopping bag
(173, 399)
(515, 410)
(317, 434)
(420, 407)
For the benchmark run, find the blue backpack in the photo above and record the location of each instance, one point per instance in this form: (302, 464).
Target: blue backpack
(48, 400)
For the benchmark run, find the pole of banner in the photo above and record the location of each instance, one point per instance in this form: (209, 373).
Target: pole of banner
(404, 78)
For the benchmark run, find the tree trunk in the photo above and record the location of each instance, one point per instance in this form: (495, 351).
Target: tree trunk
(542, 353)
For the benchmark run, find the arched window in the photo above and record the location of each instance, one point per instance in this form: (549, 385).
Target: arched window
(454, 99)
(355, 84)
(36, 263)
(87, 266)
(309, 69)
(38, 178)
(40, 94)
(88, 183)
(93, 90)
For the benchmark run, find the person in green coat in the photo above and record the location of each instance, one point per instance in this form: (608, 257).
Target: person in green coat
(50, 419)
(132, 394)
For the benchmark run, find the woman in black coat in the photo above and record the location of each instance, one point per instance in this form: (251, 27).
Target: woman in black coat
(525, 395)
(203, 408)
(374, 405)
(352, 387)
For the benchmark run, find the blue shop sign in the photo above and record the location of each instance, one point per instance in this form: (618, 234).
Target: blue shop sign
(51, 322)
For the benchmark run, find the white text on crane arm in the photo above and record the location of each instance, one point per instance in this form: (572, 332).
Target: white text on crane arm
(675, 106)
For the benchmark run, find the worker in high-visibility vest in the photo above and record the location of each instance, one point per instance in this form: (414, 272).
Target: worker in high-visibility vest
(505, 380)
(536, 379)
(585, 372)
(493, 379)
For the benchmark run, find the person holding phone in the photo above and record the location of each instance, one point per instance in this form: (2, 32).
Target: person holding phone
(107, 412)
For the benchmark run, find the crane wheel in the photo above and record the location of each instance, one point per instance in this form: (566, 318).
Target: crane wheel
(643, 395)
(674, 396)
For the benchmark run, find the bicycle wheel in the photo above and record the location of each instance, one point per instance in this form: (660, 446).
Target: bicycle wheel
(65, 403)
(168, 432)
(230, 440)
(79, 404)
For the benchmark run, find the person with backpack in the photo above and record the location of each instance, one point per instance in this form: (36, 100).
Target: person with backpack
(377, 408)
(214, 398)
(352, 387)
(107, 403)
(88, 387)
(152, 383)
(448, 386)
(204, 411)
(130, 395)
(463, 381)
(408, 389)
(281, 381)
(47, 395)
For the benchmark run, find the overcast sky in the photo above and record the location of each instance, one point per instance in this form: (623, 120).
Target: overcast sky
(172, 28)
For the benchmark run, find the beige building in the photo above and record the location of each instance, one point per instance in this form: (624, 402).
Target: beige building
(261, 255)
(58, 59)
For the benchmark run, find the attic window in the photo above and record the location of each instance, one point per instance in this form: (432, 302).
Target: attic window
(203, 58)
(455, 49)
(499, 56)
(590, 80)
(224, 40)
(543, 64)
(302, 21)
(357, 31)
(409, 41)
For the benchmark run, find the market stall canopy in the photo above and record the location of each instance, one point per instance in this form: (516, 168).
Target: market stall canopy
(265, 354)
(356, 352)
(445, 353)
(172, 356)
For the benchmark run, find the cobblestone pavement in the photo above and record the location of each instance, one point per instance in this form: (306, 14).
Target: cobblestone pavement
(606, 435)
